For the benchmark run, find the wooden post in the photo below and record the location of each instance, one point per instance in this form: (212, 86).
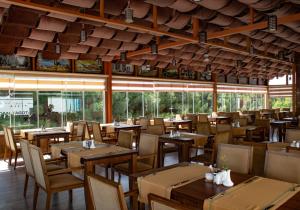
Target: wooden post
(267, 101)
(294, 89)
(214, 78)
(108, 92)
(101, 8)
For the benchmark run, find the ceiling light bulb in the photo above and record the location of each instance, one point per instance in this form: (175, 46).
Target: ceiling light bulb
(128, 15)
(57, 47)
(123, 56)
(154, 49)
(272, 23)
(206, 57)
(203, 37)
(83, 34)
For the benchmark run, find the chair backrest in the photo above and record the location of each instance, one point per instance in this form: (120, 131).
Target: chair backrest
(125, 139)
(203, 128)
(242, 121)
(144, 122)
(223, 127)
(96, 131)
(39, 167)
(259, 154)
(158, 121)
(159, 203)
(155, 129)
(106, 194)
(202, 117)
(6, 137)
(26, 157)
(283, 166)
(237, 158)
(292, 135)
(11, 139)
(277, 146)
(263, 123)
(78, 130)
(149, 146)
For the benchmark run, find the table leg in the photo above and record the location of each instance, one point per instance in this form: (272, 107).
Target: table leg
(89, 169)
(66, 138)
(185, 152)
(138, 135)
(160, 158)
(132, 186)
(280, 128)
(191, 127)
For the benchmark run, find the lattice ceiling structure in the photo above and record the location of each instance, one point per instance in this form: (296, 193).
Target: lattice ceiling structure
(30, 27)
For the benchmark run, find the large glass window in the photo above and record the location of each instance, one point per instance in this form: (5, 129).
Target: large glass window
(93, 106)
(73, 106)
(150, 104)
(5, 108)
(24, 109)
(119, 107)
(135, 104)
(281, 102)
(203, 102)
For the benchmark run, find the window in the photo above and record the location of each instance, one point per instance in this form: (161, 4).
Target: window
(94, 106)
(281, 102)
(119, 107)
(150, 104)
(135, 104)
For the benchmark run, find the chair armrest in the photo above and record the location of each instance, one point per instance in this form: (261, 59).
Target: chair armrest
(63, 171)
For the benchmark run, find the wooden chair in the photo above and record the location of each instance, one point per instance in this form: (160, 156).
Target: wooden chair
(262, 130)
(283, 166)
(50, 182)
(98, 136)
(259, 154)
(79, 131)
(159, 203)
(277, 146)
(106, 194)
(7, 146)
(144, 122)
(203, 128)
(125, 139)
(147, 157)
(203, 117)
(237, 158)
(160, 121)
(155, 129)
(14, 148)
(24, 145)
(210, 153)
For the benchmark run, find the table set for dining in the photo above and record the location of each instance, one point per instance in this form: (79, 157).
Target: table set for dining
(185, 183)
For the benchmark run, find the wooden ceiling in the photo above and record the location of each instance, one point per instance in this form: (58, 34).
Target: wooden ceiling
(29, 27)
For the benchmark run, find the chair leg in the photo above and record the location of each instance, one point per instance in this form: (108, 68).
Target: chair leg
(25, 184)
(16, 157)
(35, 195)
(48, 202)
(112, 175)
(10, 157)
(106, 172)
(119, 177)
(71, 195)
(5, 153)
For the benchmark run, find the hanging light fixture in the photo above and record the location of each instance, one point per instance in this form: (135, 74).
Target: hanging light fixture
(99, 61)
(272, 23)
(251, 49)
(174, 62)
(57, 46)
(203, 37)
(206, 57)
(277, 76)
(123, 56)
(239, 64)
(83, 34)
(128, 13)
(154, 48)
(208, 68)
(281, 55)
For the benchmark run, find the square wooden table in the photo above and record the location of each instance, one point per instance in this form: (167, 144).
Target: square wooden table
(177, 123)
(183, 144)
(89, 162)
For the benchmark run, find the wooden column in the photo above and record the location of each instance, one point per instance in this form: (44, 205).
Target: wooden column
(294, 88)
(214, 78)
(297, 83)
(108, 92)
(267, 101)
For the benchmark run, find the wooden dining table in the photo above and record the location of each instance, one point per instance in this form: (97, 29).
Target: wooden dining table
(178, 123)
(106, 154)
(197, 193)
(183, 144)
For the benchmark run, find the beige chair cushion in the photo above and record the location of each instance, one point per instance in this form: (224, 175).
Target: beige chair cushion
(283, 166)
(64, 180)
(237, 158)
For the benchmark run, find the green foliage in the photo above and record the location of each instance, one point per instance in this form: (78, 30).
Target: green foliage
(281, 102)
